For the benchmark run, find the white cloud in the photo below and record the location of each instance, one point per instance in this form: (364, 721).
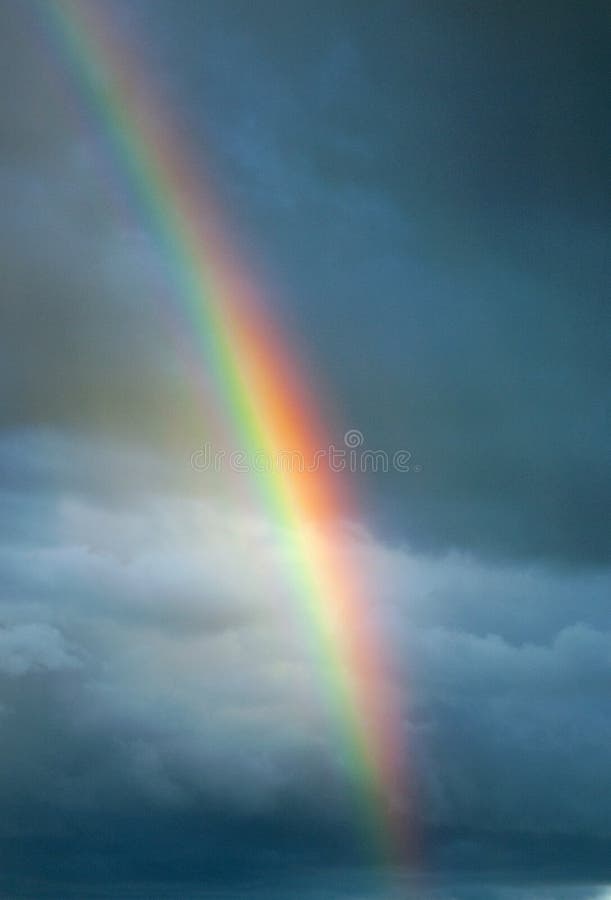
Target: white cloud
(196, 661)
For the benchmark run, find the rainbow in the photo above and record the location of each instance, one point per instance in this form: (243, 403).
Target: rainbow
(260, 388)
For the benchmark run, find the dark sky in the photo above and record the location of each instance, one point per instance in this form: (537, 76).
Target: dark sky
(424, 186)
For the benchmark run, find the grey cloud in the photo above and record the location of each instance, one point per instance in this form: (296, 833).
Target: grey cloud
(34, 647)
(578, 657)
(440, 187)
(437, 185)
(519, 733)
(184, 703)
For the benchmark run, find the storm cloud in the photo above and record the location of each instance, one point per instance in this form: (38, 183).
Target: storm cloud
(423, 187)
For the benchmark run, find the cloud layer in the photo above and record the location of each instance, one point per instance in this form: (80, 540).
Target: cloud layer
(146, 673)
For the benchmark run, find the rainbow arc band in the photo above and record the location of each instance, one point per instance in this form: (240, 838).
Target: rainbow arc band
(263, 395)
